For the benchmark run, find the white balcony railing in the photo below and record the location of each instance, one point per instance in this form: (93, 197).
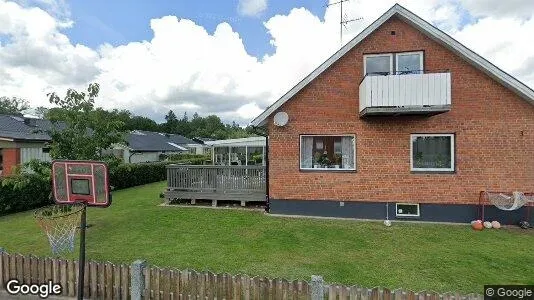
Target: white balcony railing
(405, 94)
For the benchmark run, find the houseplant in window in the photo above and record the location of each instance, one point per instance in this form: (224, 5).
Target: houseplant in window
(324, 161)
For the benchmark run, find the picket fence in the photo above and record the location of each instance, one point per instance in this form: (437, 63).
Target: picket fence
(139, 281)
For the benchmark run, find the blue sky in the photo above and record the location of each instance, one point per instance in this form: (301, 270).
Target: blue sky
(120, 21)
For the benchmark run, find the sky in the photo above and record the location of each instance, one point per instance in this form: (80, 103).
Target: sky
(231, 58)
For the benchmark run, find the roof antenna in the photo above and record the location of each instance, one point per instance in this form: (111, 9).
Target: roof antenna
(342, 18)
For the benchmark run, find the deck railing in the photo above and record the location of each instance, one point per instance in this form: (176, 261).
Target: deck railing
(242, 183)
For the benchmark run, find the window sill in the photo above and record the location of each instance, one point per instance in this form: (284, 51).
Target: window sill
(432, 172)
(328, 170)
(408, 217)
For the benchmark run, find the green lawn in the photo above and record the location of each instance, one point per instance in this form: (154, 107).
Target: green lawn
(414, 256)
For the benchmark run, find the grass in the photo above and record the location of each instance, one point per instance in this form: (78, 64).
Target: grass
(413, 256)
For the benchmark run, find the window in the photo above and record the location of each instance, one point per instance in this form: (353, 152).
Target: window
(330, 152)
(407, 210)
(378, 64)
(409, 63)
(432, 152)
(405, 63)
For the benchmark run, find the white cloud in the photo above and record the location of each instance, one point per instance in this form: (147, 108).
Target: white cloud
(251, 7)
(185, 68)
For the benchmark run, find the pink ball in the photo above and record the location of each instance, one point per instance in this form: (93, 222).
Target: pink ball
(496, 224)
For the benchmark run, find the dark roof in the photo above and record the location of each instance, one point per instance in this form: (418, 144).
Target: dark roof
(19, 128)
(31, 129)
(148, 141)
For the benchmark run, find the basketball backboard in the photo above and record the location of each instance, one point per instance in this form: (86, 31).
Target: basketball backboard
(81, 181)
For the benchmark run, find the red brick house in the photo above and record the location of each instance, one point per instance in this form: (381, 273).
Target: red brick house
(403, 114)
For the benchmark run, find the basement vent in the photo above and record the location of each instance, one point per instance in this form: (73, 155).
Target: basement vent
(393, 32)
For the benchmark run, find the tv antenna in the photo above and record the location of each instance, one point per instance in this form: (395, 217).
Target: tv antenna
(343, 20)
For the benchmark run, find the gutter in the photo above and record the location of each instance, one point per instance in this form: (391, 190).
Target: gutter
(267, 197)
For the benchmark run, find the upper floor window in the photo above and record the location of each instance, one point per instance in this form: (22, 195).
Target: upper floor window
(393, 63)
(409, 63)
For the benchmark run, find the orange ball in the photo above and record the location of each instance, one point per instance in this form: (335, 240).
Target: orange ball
(477, 226)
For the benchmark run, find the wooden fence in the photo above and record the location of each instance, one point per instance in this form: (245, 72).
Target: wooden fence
(110, 281)
(240, 183)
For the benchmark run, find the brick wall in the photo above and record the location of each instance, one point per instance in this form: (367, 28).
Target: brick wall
(10, 159)
(494, 133)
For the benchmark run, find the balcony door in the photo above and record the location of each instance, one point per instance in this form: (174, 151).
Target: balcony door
(409, 63)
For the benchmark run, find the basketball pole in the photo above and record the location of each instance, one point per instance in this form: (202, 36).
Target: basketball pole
(81, 259)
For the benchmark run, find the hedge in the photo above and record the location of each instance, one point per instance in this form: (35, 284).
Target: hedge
(24, 192)
(129, 175)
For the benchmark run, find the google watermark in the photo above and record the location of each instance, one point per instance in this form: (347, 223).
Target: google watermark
(43, 290)
(523, 292)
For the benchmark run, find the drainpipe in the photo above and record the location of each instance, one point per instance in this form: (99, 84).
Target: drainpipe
(266, 162)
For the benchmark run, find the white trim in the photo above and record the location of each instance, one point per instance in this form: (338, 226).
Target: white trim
(476, 60)
(453, 160)
(421, 55)
(365, 56)
(327, 169)
(6, 139)
(407, 215)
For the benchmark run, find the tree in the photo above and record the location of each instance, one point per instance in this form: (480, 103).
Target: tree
(171, 122)
(86, 132)
(141, 123)
(13, 106)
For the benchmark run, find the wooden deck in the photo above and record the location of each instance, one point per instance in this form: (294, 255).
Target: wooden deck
(215, 183)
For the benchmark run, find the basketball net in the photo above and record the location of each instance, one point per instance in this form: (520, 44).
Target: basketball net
(509, 201)
(60, 221)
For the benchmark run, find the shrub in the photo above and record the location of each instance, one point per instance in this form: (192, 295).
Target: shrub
(23, 192)
(187, 156)
(128, 175)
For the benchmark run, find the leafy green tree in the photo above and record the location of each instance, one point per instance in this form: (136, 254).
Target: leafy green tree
(13, 106)
(141, 123)
(85, 132)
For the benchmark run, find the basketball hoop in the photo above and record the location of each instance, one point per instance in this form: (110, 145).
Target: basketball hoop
(60, 221)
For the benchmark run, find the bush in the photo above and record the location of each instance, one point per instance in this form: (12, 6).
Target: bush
(24, 192)
(128, 175)
(187, 156)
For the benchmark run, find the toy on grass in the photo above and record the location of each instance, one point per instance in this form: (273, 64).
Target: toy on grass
(496, 224)
(477, 225)
(487, 224)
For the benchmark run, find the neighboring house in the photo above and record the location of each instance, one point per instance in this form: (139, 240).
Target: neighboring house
(241, 152)
(148, 146)
(402, 114)
(21, 140)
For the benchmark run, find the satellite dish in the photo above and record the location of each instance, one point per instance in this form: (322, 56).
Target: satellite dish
(281, 118)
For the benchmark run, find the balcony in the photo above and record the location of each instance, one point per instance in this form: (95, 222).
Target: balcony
(405, 94)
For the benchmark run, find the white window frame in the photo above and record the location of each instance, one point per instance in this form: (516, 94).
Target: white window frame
(453, 159)
(421, 54)
(326, 169)
(365, 56)
(407, 215)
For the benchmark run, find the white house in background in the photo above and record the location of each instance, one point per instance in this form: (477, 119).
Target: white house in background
(242, 152)
(148, 146)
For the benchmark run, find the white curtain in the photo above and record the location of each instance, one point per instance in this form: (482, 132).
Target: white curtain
(347, 152)
(306, 152)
